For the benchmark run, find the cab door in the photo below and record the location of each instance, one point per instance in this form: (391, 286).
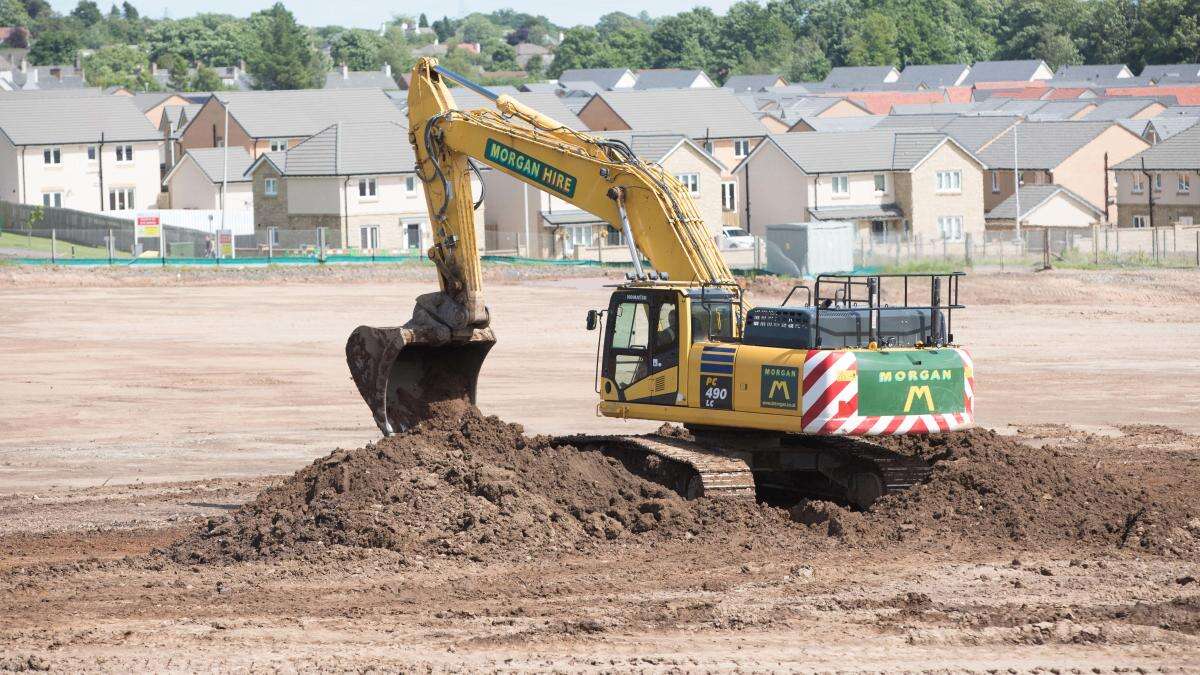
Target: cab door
(641, 354)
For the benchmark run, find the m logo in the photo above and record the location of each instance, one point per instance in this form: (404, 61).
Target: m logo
(779, 387)
(917, 393)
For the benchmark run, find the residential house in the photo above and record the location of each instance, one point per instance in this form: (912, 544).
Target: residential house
(1125, 109)
(1167, 176)
(355, 179)
(752, 83)
(672, 78)
(548, 104)
(937, 75)
(978, 132)
(823, 107)
(857, 76)
(713, 118)
(1174, 72)
(273, 121)
(102, 156)
(1071, 154)
(889, 183)
(603, 78)
(1185, 94)
(195, 182)
(1044, 206)
(528, 50)
(1028, 70)
(152, 103)
(21, 76)
(1163, 127)
(344, 78)
(826, 124)
(517, 214)
(1112, 71)
(171, 123)
(1064, 110)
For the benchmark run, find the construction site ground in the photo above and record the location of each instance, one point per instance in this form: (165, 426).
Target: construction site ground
(142, 407)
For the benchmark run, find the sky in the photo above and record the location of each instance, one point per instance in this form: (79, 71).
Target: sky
(371, 13)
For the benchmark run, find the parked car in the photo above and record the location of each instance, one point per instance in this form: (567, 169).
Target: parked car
(735, 237)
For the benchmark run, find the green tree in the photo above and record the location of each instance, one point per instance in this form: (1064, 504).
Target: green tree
(119, 66)
(752, 38)
(205, 79)
(55, 47)
(18, 39)
(1108, 36)
(131, 12)
(535, 67)
(873, 42)
(13, 13)
(423, 22)
(686, 40)
(504, 57)
(177, 67)
(478, 28)
(581, 47)
(807, 63)
(87, 12)
(38, 9)
(285, 58)
(358, 49)
(629, 46)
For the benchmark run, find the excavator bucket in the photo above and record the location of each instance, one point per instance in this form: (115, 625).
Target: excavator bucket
(404, 372)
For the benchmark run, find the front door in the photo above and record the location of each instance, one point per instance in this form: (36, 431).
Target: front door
(641, 355)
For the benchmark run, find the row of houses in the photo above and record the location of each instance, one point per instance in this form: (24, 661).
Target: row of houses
(339, 159)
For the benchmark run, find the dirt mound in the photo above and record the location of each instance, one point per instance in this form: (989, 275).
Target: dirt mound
(458, 484)
(993, 490)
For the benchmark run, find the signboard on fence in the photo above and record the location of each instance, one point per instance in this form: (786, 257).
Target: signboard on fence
(225, 242)
(147, 226)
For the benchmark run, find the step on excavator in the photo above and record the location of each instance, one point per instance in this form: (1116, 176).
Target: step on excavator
(776, 402)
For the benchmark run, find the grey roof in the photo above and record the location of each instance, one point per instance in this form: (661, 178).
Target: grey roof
(605, 78)
(570, 217)
(1020, 106)
(57, 120)
(350, 149)
(1093, 72)
(862, 211)
(539, 87)
(301, 113)
(1184, 110)
(1043, 145)
(1136, 126)
(27, 94)
(548, 104)
(823, 124)
(1121, 107)
(811, 106)
(212, 162)
(1181, 151)
(915, 122)
(745, 83)
(358, 79)
(974, 132)
(857, 150)
(669, 78)
(931, 108)
(937, 75)
(1061, 110)
(1166, 127)
(656, 147)
(178, 116)
(1032, 198)
(148, 100)
(858, 75)
(1173, 72)
(1003, 71)
(695, 113)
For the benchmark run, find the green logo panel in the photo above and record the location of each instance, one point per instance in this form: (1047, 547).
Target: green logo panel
(779, 387)
(909, 383)
(535, 170)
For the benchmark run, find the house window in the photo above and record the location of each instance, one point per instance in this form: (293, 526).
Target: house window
(950, 227)
(691, 182)
(91, 152)
(1185, 184)
(1140, 221)
(271, 187)
(52, 156)
(708, 147)
(274, 235)
(841, 186)
(410, 185)
(120, 199)
(1139, 185)
(580, 235)
(729, 196)
(124, 153)
(880, 183)
(741, 148)
(615, 237)
(51, 199)
(279, 145)
(1185, 221)
(1158, 182)
(949, 181)
(368, 236)
(366, 187)
(995, 181)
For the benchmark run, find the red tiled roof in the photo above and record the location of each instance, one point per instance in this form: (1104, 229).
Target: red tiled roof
(958, 94)
(881, 102)
(1021, 93)
(1185, 94)
(1064, 93)
(1012, 84)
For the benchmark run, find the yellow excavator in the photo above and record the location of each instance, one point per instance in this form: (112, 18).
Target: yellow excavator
(776, 400)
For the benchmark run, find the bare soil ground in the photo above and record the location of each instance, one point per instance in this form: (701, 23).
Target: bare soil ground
(142, 410)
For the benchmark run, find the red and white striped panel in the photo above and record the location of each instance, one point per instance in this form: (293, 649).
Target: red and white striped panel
(830, 402)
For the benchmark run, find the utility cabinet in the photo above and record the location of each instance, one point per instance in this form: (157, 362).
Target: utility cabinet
(809, 249)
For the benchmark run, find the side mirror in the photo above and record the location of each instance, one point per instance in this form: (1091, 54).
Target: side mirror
(593, 319)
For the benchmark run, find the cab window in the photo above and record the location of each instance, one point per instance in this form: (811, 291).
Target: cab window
(631, 331)
(666, 331)
(713, 319)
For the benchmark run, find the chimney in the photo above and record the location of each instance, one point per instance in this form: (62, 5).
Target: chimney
(387, 69)
(345, 71)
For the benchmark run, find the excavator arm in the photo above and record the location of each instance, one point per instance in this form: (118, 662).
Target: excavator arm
(436, 356)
